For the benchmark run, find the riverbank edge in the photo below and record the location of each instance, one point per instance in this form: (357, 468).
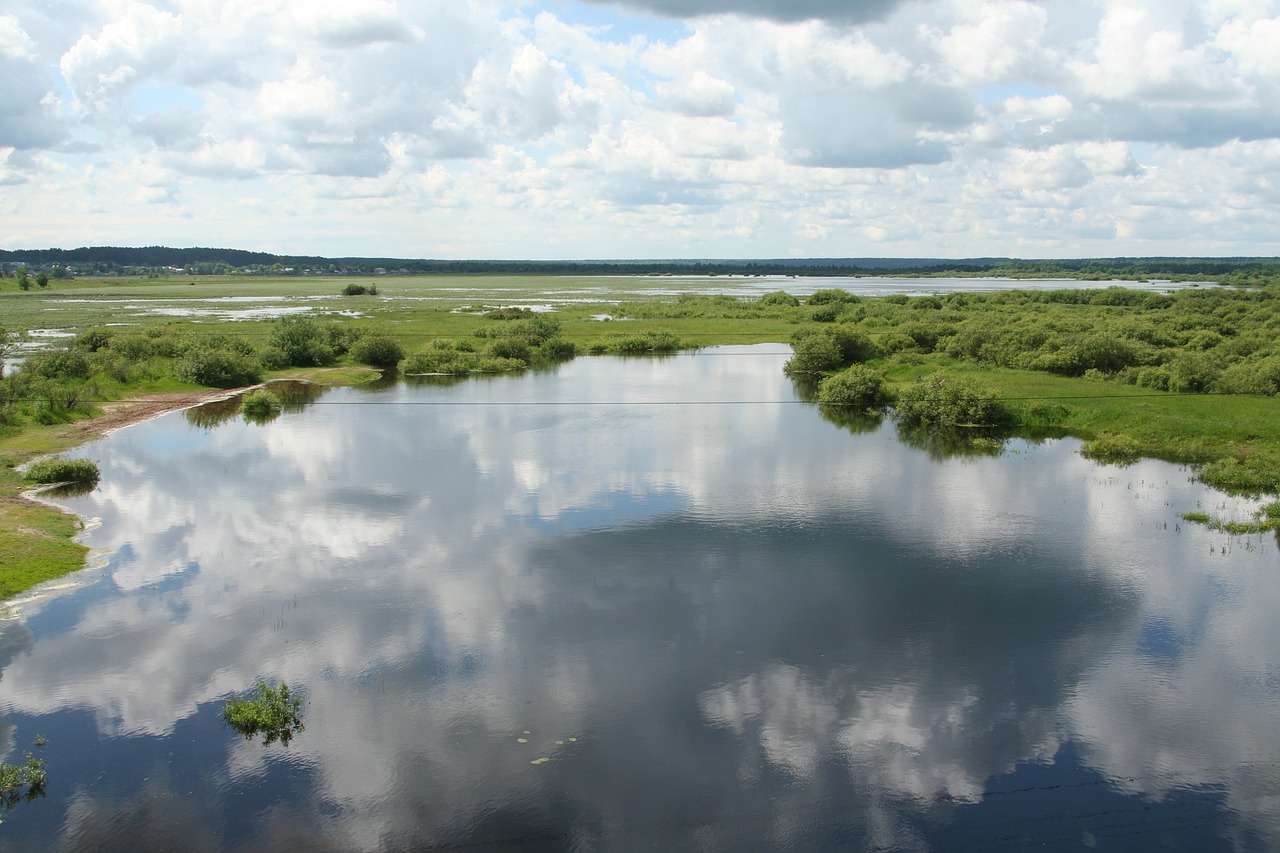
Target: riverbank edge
(41, 533)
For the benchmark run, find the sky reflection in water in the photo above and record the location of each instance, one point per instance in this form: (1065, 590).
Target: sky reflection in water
(724, 623)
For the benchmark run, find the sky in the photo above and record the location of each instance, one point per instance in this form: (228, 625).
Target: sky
(644, 128)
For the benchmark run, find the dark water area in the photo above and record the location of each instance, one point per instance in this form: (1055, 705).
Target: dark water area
(638, 604)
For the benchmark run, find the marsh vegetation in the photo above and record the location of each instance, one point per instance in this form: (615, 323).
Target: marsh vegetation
(275, 713)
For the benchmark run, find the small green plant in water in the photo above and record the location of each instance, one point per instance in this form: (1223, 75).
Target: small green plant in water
(260, 405)
(22, 782)
(1112, 449)
(272, 712)
(63, 471)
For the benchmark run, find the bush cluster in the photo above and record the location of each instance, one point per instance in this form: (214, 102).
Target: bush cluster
(63, 471)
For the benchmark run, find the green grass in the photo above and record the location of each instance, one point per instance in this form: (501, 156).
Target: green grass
(35, 545)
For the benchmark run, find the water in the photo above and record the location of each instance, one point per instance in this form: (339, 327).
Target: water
(643, 604)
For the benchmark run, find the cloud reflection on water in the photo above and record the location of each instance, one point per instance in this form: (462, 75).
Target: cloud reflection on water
(394, 561)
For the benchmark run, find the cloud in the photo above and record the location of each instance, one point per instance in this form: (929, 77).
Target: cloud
(798, 118)
(842, 11)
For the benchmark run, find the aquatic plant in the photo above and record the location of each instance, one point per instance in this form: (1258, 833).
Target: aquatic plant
(22, 782)
(273, 712)
(63, 471)
(1112, 449)
(260, 405)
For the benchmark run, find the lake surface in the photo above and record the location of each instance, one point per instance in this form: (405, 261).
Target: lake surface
(642, 604)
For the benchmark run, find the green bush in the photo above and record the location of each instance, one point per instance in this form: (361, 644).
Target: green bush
(557, 349)
(260, 404)
(813, 352)
(378, 350)
(830, 296)
(218, 368)
(59, 364)
(1251, 377)
(303, 342)
(779, 297)
(1112, 449)
(951, 402)
(536, 330)
(63, 471)
(272, 712)
(512, 348)
(354, 290)
(92, 340)
(855, 387)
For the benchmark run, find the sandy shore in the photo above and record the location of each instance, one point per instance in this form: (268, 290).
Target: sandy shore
(123, 413)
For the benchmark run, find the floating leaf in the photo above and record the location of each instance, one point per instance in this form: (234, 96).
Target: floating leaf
(540, 761)
(522, 740)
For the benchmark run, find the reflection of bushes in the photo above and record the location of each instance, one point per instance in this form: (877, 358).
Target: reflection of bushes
(856, 421)
(950, 442)
(210, 415)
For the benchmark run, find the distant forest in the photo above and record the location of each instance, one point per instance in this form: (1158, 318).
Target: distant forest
(108, 260)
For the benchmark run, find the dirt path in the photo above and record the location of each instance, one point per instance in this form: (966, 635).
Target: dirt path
(123, 413)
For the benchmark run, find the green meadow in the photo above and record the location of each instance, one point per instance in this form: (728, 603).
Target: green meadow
(1190, 376)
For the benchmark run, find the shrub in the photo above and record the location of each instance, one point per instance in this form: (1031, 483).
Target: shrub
(831, 295)
(378, 350)
(557, 349)
(260, 404)
(218, 368)
(63, 471)
(649, 342)
(1251, 377)
(1155, 378)
(302, 342)
(59, 364)
(1112, 449)
(536, 329)
(825, 314)
(92, 340)
(813, 352)
(856, 387)
(514, 348)
(354, 290)
(1192, 372)
(779, 297)
(948, 401)
(272, 712)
